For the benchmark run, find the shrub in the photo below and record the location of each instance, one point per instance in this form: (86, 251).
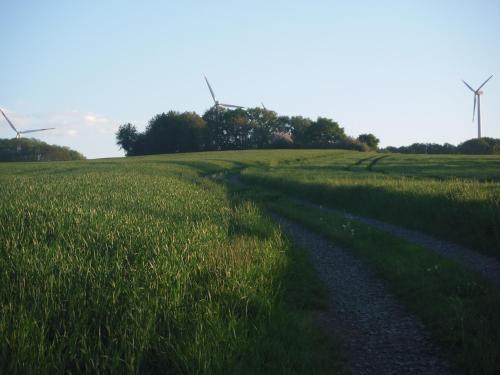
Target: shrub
(370, 140)
(350, 143)
(480, 146)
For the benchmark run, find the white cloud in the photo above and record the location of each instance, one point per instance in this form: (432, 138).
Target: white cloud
(90, 133)
(90, 118)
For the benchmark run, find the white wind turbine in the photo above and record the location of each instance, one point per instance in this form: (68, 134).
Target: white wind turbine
(217, 104)
(477, 101)
(19, 133)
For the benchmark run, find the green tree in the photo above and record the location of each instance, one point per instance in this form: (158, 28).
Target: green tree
(127, 138)
(216, 134)
(263, 125)
(225, 129)
(298, 126)
(31, 149)
(323, 132)
(175, 132)
(370, 140)
(478, 146)
(238, 129)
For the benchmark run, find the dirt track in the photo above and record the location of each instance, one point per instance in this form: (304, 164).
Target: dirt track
(379, 334)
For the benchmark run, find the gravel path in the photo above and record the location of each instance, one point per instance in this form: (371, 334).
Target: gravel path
(380, 336)
(487, 266)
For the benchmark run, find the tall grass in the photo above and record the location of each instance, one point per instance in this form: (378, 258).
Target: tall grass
(460, 308)
(140, 265)
(464, 211)
(128, 267)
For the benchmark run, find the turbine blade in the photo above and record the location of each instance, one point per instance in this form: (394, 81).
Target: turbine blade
(10, 123)
(263, 106)
(484, 83)
(471, 89)
(34, 130)
(230, 105)
(474, 109)
(210, 88)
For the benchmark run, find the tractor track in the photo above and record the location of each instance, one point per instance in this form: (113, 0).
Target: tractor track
(379, 335)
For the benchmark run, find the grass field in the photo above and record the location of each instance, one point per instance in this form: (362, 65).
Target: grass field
(462, 204)
(145, 265)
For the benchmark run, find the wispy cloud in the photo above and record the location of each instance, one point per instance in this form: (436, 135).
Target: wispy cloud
(88, 132)
(66, 123)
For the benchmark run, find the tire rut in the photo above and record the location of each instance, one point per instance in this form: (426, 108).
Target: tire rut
(380, 336)
(488, 267)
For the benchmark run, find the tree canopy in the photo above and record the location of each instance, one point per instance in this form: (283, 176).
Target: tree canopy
(224, 129)
(175, 132)
(370, 140)
(31, 149)
(474, 146)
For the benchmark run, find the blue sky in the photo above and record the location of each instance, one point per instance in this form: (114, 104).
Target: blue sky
(393, 68)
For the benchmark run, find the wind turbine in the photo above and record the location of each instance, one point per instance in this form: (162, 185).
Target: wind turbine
(263, 106)
(217, 104)
(477, 100)
(18, 133)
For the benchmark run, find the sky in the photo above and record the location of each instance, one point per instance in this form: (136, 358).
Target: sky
(391, 68)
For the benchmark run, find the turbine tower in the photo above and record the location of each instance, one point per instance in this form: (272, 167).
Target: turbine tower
(477, 101)
(217, 104)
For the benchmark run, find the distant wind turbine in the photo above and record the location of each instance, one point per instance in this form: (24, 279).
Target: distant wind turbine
(477, 101)
(263, 106)
(18, 133)
(217, 104)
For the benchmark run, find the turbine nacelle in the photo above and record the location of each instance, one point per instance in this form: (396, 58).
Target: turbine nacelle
(19, 133)
(477, 103)
(217, 104)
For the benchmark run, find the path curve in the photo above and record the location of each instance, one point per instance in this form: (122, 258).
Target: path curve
(488, 267)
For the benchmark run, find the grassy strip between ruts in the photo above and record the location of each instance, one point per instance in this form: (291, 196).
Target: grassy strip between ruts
(461, 309)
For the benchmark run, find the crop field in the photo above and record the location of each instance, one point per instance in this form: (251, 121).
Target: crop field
(158, 264)
(461, 204)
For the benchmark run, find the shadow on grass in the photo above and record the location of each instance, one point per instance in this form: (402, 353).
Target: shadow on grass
(290, 333)
(208, 167)
(473, 224)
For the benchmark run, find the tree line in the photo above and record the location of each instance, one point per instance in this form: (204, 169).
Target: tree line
(31, 149)
(224, 129)
(475, 146)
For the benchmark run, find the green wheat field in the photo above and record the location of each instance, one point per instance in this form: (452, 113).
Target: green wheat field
(158, 264)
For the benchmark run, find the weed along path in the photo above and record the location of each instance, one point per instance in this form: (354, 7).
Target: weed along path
(380, 335)
(488, 267)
